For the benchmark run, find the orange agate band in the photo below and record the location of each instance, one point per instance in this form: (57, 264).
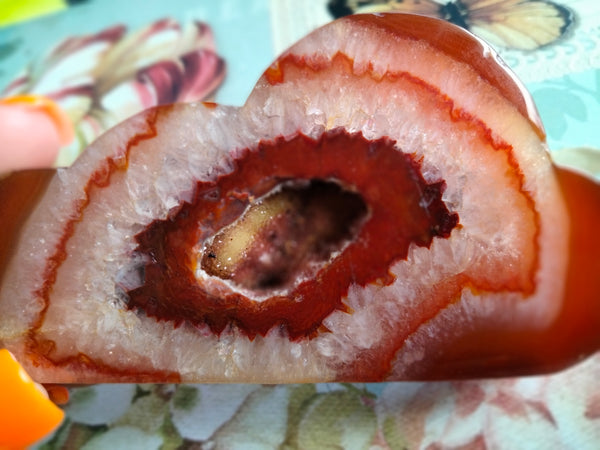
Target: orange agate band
(60, 119)
(26, 412)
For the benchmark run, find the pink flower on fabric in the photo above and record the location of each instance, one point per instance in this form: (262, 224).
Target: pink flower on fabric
(102, 79)
(556, 411)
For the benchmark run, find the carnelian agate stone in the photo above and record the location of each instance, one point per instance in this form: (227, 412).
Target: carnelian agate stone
(383, 207)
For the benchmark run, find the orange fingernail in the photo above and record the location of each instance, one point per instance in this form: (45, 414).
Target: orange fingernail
(55, 113)
(26, 413)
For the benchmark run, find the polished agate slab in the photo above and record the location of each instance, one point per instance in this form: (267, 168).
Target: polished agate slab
(383, 207)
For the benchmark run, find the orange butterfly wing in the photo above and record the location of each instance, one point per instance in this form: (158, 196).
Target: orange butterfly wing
(524, 25)
(518, 24)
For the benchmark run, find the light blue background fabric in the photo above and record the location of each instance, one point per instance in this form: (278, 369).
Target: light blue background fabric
(570, 109)
(241, 28)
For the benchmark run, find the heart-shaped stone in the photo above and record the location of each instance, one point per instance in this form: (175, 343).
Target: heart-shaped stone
(382, 207)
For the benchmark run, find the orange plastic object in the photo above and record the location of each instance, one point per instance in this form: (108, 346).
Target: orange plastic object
(26, 413)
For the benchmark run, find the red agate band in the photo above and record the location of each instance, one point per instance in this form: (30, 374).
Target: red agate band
(402, 206)
(464, 47)
(20, 193)
(574, 335)
(39, 349)
(457, 43)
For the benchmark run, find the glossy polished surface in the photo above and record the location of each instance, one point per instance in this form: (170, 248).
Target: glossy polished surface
(452, 302)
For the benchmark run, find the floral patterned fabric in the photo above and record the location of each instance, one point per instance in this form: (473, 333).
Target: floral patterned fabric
(177, 51)
(549, 412)
(103, 78)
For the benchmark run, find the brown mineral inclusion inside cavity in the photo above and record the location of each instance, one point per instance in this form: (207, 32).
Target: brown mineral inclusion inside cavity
(285, 236)
(338, 210)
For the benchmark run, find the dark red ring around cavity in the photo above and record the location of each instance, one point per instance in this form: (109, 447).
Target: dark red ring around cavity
(403, 209)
